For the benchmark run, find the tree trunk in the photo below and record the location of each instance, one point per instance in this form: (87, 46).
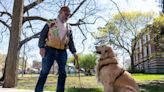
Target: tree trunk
(132, 63)
(24, 62)
(10, 79)
(25, 66)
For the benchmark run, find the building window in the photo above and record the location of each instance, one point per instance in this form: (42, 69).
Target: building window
(148, 35)
(145, 51)
(149, 49)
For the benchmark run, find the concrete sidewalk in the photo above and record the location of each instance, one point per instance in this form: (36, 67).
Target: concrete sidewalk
(17, 90)
(14, 90)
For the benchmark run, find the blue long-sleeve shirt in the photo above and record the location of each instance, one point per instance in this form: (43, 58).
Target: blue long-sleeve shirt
(44, 35)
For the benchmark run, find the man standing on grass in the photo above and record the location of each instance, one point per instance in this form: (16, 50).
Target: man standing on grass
(54, 39)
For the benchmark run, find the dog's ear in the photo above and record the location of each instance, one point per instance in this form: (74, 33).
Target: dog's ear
(109, 48)
(108, 45)
(106, 48)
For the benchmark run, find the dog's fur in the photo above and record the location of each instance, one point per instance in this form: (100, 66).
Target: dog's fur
(110, 73)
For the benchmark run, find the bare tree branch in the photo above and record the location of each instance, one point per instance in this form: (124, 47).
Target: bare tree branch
(83, 39)
(77, 8)
(28, 39)
(33, 18)
(30, 6)
(3, 6)
(30, 23)
(1, 33)
(123, 18)
(5, 24)
(7, 13)
(65, 2)
(81, 22)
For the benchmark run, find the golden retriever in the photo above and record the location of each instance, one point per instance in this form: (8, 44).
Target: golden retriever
(111, 75)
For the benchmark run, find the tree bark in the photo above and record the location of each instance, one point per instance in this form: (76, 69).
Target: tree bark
(132, 64)
(10, 79)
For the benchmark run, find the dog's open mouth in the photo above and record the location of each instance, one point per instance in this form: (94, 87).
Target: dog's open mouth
(98, 52)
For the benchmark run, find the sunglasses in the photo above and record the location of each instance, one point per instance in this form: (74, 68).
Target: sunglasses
(67, 14)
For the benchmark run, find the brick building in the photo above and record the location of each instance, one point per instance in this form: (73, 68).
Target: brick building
(149, 51)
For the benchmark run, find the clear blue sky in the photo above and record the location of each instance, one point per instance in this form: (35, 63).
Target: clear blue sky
(124, 5)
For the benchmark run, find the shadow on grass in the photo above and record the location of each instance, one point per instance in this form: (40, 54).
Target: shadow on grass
(153, 86)
(84, 90)
(148, 88)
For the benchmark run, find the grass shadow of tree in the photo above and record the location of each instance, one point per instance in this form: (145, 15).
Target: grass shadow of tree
(152, 86)
(84, 90)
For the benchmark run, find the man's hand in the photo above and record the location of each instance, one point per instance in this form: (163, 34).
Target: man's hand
(75, 56)
(42, 52)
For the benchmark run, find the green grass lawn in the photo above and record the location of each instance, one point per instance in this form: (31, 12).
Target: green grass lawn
(148, 77)
(147, 83)
(150, 82)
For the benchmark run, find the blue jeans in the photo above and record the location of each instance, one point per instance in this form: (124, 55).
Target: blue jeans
(61, 57)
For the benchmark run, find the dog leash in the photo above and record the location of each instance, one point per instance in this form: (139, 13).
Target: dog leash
(120, 74)
(76, 63)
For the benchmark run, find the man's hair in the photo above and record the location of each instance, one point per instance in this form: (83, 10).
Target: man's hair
(65, 8)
